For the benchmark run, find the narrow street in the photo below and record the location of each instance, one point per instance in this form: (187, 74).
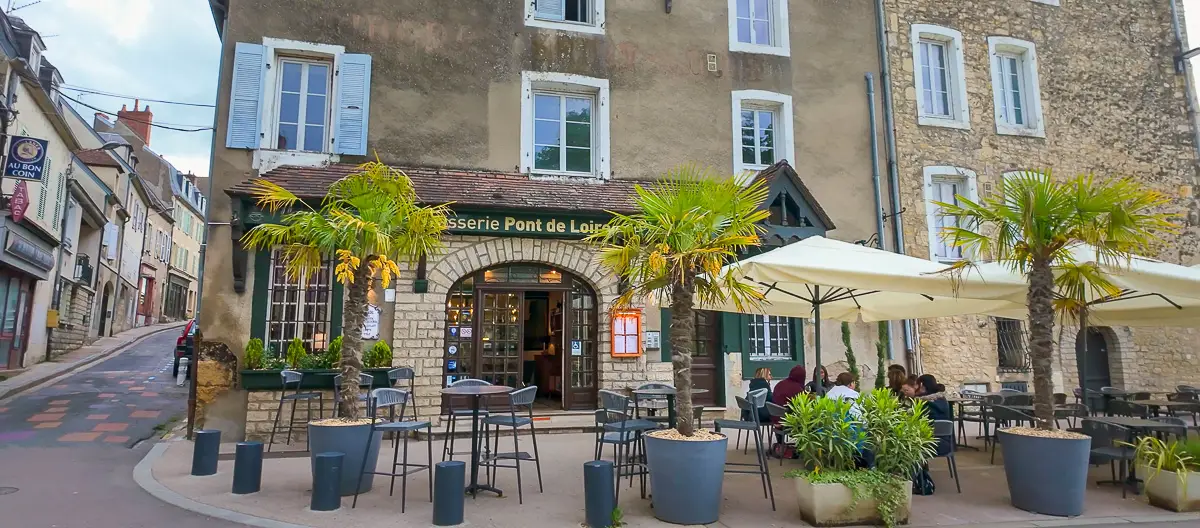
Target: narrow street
(67, 450)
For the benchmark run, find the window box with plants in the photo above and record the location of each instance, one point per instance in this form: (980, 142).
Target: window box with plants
(1171, 471)
(367, 222)
(833, 435)
(262, 368)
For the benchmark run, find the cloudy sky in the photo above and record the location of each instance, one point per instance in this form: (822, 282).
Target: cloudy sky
(168, 50)
(156, 49)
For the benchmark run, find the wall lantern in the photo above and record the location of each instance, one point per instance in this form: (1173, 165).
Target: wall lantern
(627, 333)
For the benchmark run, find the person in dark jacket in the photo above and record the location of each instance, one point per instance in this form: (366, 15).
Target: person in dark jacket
(896, 377)
(791, 387)
(936, 406)
(822, 387)
(762, 380)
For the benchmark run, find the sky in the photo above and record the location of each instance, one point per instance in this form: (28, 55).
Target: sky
(168, 50)
(157, 49)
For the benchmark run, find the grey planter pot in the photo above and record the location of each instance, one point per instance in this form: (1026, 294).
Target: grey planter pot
(1046, 475)
(350, 440)
(686, 478)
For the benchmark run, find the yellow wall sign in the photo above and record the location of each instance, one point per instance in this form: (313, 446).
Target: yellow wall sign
(548, 225)
(51, 318)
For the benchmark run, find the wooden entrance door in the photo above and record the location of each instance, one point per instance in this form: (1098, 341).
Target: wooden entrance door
(705, 355)
(581, 350)
(501, 319)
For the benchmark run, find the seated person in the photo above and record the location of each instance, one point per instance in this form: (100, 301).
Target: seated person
(843, 389)
(762, 380)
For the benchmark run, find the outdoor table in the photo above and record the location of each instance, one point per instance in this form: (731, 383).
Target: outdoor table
(960, 402)
(670, 394)
(1167, 404)
(476, 393)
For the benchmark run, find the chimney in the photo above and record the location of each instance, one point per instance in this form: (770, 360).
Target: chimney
(137, 120)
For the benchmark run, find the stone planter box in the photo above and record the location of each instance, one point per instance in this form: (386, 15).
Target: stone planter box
(314, 379)
(827, 505)
(1165, 491)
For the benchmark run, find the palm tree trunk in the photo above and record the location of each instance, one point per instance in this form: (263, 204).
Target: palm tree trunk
(352, 322)
(683, 332)
(1041, 333)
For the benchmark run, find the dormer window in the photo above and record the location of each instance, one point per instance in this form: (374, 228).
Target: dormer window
(785, 212)
(35, 57)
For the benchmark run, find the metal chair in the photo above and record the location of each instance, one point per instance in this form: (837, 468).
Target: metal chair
(973, 411)
(1190, 409)
(756, 399)
(1105, 448)
(1128, 408)
(1187, 388)
(1019, 399)
(614, 438)
(629, 454)
(364, 386)
(945, 429)
(1060, 398)
(519, 402)
(1180, 428)
(448, 451)
(390, 398)
(1071, 412)
(776, 411)
(651, 404)
(1005, 417)
(292, 379)
(1140, 396)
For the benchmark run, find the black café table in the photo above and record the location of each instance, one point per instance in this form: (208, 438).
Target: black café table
(670, 394)
(477, 393)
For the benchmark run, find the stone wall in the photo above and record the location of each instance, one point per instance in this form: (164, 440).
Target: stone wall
(420, 323)
(1113, 105)
(74, 318)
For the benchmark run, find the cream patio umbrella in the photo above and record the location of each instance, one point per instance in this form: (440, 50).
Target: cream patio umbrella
(829, 279)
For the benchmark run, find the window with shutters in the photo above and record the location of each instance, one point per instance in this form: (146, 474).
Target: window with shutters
(309, 99)
(564, 127)
(585, 16)
(945, 185)
(1015, 87)
(939, 77)
(759, 26)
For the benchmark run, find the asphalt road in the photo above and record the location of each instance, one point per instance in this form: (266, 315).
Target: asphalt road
(69, 448)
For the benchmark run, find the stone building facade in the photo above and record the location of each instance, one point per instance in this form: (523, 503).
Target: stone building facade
(1099, 93)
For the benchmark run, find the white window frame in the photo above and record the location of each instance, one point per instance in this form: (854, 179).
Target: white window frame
(276, 51)
(940, 172)
(1032, 94)
(594, 28)
(960, 113)
(785, 139)
(568, 84)
(764, 349)
(302, 112)
(780, 30)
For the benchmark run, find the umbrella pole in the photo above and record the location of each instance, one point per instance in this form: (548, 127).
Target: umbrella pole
(817, 386)
(1081, 360)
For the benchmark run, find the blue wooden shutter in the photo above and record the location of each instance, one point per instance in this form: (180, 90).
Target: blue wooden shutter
(245, 96)
(353, 104)
(550, 9)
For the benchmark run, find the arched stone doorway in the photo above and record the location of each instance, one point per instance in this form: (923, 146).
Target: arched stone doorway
(525, 323)
(1092, 357)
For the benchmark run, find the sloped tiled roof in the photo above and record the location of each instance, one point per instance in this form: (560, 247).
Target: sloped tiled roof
(474, 188)
(782, 167)
(97, 157)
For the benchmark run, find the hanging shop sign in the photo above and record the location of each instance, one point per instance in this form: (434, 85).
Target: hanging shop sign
(627, 333)
(19, 246)
(537, 225)
(26, 158)
(19, 202)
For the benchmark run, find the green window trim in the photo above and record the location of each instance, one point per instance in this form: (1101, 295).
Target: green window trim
(262, 297)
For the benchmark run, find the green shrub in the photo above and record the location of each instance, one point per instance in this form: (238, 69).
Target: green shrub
(881, 353)
(827, 436)
(899, 435)
(254, 354)
(1179, 457)
(378, 356)
(296, 353)
(274, 362)
(851, 361)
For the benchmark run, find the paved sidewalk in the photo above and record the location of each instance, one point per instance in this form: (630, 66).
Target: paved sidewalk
(286, 488)
(78, 359)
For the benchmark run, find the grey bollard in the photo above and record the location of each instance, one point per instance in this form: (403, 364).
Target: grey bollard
(327, 482)
(450, 479)
(247, 468)
(598, 493)
(205, 451)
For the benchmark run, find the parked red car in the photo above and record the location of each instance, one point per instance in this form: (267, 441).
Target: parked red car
(184, 345)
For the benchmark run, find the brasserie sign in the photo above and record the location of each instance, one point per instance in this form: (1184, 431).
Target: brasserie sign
(544, 225)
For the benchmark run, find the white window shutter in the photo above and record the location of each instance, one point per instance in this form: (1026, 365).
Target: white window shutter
(245, 96)
(110, 241)
(550, 9)
(353, 104)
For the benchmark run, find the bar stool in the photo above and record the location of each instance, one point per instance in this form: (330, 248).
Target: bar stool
(626, 462)
(289, 378)
(390, 398)
(364, 382)
(757, 399)
(651, 404)
(448, 451)
(520, 400)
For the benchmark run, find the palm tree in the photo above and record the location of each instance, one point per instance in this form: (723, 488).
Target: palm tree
(688, 225)
(367, 222)
(1031, 223)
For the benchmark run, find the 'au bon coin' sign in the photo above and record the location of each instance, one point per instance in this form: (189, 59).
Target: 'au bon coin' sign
(26, 158)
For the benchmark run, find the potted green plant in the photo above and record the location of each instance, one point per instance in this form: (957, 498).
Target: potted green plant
(687, 225)
(367, 221)
(1171, 471)
(832, 434)
(1030, 225)
(377, 361)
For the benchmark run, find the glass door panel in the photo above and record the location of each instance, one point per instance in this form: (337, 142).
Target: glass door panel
(582, 349)
(500, 338)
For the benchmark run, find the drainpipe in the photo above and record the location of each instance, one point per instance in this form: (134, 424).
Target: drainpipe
(1183, 67)
(889, 120)
(57, 288)
(873, 133)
